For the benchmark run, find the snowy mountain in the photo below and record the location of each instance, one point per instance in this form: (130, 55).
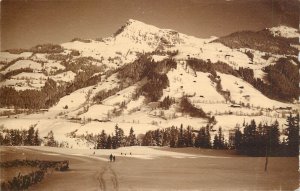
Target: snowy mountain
(146, 78)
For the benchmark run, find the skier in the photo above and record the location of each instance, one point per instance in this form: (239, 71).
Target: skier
(114, 158)
(110, 157)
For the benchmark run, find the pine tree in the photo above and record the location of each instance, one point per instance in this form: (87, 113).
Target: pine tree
(23, 136)
(119, 137)
(221, 139)
(293, 134)
(188, 137)
(30, 136)
(50, 140)
(18, 137)
(216, 142)
(36, 139)
(132, 138)
(147, 139)
(7, 140)
(203, 138)
(158, 137)
(274, 137)
(262, 139)
(173, 137)
(238, 139)
(12, 136)
(109, 142)
(97, 143)
(181, 137)
(101, 142)
(114, 142)
(207, 143)
(219, 142)
(166, 137)
(249, 138)
(198, 139)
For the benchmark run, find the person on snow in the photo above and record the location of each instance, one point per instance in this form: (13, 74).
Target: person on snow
(110, 157)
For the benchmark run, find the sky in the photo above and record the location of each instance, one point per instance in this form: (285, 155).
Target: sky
(26, 23)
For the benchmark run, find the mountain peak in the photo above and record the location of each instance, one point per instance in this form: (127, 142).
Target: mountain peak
(134, 26)
(130, 21)
(139, 24)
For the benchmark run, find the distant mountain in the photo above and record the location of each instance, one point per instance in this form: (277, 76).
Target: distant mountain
(275, 40)
(284, 31)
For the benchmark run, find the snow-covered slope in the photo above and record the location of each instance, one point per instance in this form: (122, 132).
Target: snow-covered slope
(284, 31)
(242, 91)
(79, 111)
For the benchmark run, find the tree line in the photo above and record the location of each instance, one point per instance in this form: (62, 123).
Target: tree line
(16, 137)
(42, 48)
(262, 139)
(105, 140)
(255, 140)
(49, 95)
(116, 140)
(178, 137)
(30, 137)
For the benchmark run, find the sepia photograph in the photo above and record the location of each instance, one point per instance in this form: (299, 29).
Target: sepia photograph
(149, 95)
